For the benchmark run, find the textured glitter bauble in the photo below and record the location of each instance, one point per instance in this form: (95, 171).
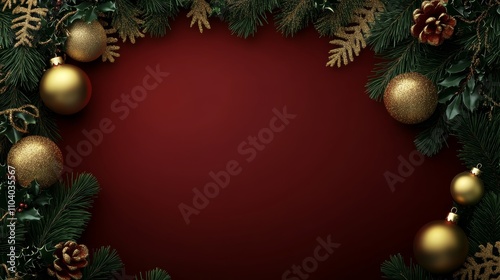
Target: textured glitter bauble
(440, 246)
(86, 41)
(65, 89)
(411, 98)
(36, 158)
(466, 188)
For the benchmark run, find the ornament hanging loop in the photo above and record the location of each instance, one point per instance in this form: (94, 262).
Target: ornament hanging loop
(452, 216)
(477, 170)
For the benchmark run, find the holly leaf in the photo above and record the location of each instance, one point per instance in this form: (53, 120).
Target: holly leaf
(453, 80)
(43, 199)
(106, 7)
(31, 214)
(446, 95)
(471, 95)
(454, 108)
(459, 67)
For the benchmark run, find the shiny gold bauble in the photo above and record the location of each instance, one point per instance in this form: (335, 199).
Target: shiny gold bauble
(65, 89)
(411, 98)
(36, 158)
(86, 41)
(441, 246)
(466, 188)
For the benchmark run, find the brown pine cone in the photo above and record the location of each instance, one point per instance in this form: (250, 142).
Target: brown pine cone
(432, 23)
(70, 258)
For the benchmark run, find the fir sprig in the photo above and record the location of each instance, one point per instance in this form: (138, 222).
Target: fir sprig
(484, 226)
(480, 138)
(247, 15)
(396, 269)
(104, 265)
(69, 213)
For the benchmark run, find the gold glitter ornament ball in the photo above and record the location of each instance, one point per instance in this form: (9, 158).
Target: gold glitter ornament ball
(65, 89)
(86, 41)
(411, 98)
(36, 158)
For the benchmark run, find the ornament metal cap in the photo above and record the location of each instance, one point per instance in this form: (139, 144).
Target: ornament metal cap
(452, 216)
(475, 170)
(58, 60)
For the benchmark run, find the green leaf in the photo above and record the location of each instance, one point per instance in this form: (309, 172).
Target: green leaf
(454, 108)
(42, 200)
(471, 95)
(460, 66)
(453, 80)
(106, 7)
(446, 95)
(25, 117)
(31, 214)
(90, 15)
(83, 6)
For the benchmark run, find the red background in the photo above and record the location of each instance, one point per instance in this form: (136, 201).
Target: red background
(323, 175)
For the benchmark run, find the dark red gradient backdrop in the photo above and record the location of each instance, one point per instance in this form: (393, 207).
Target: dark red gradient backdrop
(322, 176)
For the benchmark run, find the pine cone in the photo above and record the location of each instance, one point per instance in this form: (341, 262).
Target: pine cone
(432, 23)
(70, 258)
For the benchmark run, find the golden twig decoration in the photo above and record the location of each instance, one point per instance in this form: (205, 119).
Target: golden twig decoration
(28, 21)
(200, 10)
(127, 22)
(352, 38)
(111, 49)
(10, 112)
(8, 3)
(487, 265)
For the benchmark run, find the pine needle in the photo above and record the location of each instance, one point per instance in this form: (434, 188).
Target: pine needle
(68, 214)
(295, 15)
(480, 138)
(155, 274)
(126, 20)
(396, 269)
(104, 265)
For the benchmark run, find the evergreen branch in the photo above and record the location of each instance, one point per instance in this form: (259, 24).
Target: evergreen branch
(329, 23)
(484, 226)
(126, 20)
(295, 15)
(68, 214)
(6, 33)
(480, 138)
(396, 269)
(155, 274)
(246, 15)
(432, 139)
(104, 264)
(25, 66)
(401, 59)
(393, 26)
(157, 14)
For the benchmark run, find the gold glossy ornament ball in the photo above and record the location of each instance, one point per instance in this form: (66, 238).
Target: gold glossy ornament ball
(466, 188)
(440, 246)
(65, 89)
(86, 41)
(411, 98)
(36, 158)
